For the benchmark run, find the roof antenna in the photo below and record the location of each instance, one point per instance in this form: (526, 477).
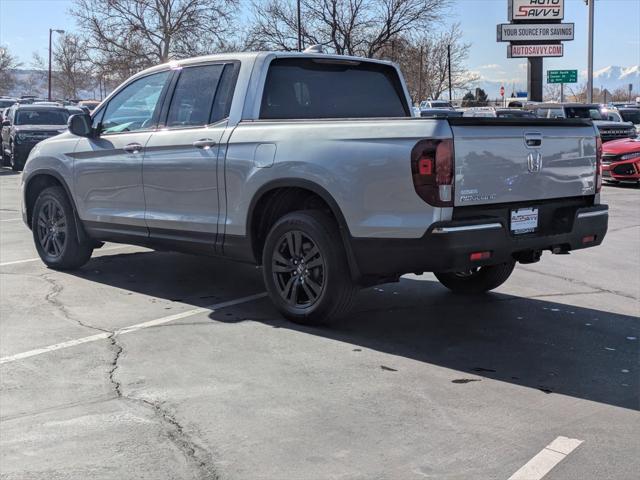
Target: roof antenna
(314, 49)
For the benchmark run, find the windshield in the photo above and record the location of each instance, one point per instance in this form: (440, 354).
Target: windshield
(632, 116)
(41, 117)
(584, 112)
(4, 103)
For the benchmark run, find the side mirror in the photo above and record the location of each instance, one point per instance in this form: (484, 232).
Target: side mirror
(80, 124)
(6, 123)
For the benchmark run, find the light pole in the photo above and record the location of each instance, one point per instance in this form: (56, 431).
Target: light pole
(591, 4)
(299, 29)
(51, 30)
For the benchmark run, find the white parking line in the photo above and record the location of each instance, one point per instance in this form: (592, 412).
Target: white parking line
(27, 260)
(549, 457)
(132, 328)
(10, 219)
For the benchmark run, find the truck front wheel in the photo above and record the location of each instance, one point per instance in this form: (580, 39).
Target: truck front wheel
(477, 280)
(305, 268)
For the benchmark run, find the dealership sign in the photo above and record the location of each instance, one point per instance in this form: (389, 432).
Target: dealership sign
(522, 51)
(536, 10)
(545, 32)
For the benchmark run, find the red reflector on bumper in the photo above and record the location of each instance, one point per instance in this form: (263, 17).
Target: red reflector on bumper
(477, 256)
(589, 239)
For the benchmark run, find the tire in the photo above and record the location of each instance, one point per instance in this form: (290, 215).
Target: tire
(16, 164)
(6, 162)
(305, 269)
(479, 280)
(55, 234)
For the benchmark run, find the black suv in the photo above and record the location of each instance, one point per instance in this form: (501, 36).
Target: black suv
(25, 125)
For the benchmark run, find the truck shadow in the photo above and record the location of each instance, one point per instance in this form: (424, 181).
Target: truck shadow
(536, 343)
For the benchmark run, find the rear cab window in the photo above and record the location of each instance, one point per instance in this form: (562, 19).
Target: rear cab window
(308, 88)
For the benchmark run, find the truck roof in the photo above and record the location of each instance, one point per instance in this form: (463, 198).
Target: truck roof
(253, 56)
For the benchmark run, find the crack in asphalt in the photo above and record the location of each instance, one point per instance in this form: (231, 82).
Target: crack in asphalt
(51, 298)
(197, 456)
(581, 283)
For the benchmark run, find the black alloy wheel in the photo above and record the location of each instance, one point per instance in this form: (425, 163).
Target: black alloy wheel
(298, 269)
(52, 228)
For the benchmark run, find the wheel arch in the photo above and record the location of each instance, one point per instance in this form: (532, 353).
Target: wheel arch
(38, 181)
(266, 197)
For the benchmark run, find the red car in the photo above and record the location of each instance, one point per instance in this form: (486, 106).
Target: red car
(621, 160)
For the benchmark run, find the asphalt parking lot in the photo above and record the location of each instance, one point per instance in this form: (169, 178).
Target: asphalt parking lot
(156, 365)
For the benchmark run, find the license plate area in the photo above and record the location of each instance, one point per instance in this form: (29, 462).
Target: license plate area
(524, 220)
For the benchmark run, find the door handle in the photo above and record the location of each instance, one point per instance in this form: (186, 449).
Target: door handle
(132, 148)
(533, 139)
(204, 143)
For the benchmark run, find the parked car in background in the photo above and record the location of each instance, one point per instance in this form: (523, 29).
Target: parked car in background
(74, 110)
(6, 102)
(631, 114)
(608, 130)
(26, 125)
(323, 177)
(621, 161)
(492, 112)
(436, 104)
(440, 113)
(90, 105)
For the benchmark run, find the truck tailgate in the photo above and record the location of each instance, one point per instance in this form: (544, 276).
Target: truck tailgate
(516, 160)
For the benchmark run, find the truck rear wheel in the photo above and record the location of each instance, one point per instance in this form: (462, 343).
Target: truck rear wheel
(305, 268)
(477, 280)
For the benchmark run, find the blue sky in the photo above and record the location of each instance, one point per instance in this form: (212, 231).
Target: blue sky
(24, 28)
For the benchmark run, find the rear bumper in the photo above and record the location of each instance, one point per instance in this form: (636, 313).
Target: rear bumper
(447, 246)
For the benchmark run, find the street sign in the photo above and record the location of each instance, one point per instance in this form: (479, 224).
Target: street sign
(562, 76)
(545, 32)
(520, 51)
(502, 91)
(536, 10)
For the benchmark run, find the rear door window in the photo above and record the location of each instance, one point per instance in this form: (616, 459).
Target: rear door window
(316, 88)
(193, 96)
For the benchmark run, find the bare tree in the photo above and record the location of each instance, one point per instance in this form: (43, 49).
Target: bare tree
(424, 63)
(129, 35)
(622, 94)
(72, 66)
(345, 27)
(552, 92)
(8, 63)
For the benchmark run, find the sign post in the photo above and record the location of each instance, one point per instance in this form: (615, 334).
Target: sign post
(562, 77)
(536, 31)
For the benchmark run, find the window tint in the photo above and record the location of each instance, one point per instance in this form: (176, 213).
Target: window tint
(632, 116)
(583, 112)
(133, 108)
(193, 97)
(304, 88)
(41, 117)
(222, 104)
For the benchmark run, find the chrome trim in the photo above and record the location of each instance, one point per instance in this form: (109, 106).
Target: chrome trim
(467, 228)
(596, 213)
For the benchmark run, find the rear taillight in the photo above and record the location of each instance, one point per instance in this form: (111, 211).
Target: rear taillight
(598, 164)
(432, 170)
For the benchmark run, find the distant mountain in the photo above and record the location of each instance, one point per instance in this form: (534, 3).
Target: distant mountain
(611, 78)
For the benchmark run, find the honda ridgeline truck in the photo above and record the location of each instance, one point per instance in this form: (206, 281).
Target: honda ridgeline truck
(312, 166)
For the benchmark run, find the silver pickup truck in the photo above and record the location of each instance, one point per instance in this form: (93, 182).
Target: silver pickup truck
(312, 166)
